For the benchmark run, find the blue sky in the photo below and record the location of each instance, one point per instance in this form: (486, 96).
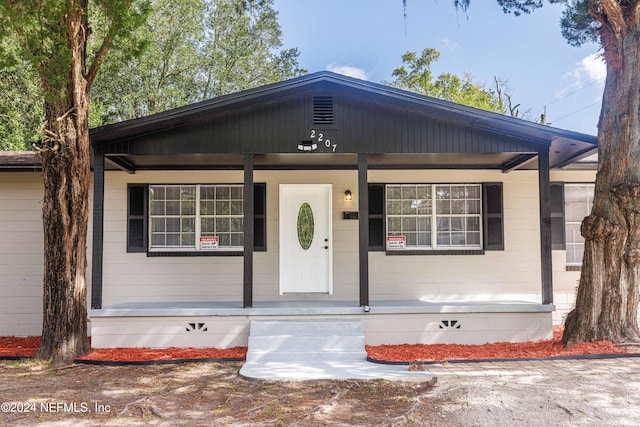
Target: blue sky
(365, 39)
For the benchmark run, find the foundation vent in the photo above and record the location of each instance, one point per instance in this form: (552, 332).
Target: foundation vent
(196, 327)
(449, 324)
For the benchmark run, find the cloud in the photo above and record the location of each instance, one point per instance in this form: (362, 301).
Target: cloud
(593, 67)
(348, 70)
(449, 44)
(590, 70)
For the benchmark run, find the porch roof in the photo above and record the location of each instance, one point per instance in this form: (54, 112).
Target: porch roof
(391, 125)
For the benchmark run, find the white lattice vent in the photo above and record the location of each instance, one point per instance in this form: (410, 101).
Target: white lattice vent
(196, 327)
(449, 324)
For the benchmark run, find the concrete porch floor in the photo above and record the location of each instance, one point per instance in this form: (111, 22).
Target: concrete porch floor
(293, 308)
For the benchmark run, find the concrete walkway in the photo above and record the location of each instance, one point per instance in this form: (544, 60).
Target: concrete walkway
(300, 350)
(332, 370)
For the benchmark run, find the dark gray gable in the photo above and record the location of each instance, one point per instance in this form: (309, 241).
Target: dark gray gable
(329, 113)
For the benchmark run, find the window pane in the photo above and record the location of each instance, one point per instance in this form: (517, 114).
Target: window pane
(237, 240)
(473, 224)
(408, 192)
(394, 224)
(458, 239)
(443, 224)
(424, 239)
(458, 207)
(223, 208)
(223, 225)
(409, 224)
(443, 207)
(444, 239)
(236, 208)
(473, 238)
(237, 193)
(173, 224)
(393, 192)
(225, 240)
(236, 225)
(157, 207)
(188, 208)
(222, 193)
(411, 239)
(458, 192)
(158, 224)
(473, 207)
(207, 225)
(394, 207)
(173, 208)
(188, 225)
(409, 207)
(172, 192)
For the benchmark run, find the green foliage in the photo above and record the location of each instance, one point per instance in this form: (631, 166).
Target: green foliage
(577, 25)
(416, 75)
(21, 107)
(193, 50)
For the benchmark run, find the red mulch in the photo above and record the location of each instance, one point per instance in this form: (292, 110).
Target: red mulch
(25, 347)
(501, 350)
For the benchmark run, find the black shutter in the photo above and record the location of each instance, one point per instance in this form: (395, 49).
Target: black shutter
(493, 216)
(137, 196)
(260, 217)
(557, 216)
(376, 217)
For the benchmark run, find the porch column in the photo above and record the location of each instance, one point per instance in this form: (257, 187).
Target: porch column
(98, 227)
(247, 294)
(545, 226)
(363, 228)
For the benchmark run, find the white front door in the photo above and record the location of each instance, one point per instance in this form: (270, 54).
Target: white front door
(306, 261)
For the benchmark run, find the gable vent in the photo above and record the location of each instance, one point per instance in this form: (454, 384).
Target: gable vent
(323, 110)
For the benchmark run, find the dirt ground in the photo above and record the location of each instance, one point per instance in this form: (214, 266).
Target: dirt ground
(197, 394)
(538, 393)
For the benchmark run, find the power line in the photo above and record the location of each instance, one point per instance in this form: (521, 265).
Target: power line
(569, 94)
(575, 112)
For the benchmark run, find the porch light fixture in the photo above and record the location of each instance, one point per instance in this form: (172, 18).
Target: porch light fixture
(347, 195)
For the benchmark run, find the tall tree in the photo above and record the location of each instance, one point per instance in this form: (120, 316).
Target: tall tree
(607, 299)
(195, 50)
(53, 35)
(416, 75)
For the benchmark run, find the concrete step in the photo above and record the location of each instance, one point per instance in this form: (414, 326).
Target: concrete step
(305, 327)
(305, 340)
(302, 356)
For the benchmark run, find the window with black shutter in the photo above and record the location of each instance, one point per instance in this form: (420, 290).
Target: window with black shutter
(138, 220)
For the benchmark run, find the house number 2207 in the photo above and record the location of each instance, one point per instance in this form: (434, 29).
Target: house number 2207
(321, 139)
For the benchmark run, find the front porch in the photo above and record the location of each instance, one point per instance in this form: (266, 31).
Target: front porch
(226, 324)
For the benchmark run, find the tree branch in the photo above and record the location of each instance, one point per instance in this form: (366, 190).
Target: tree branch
(99, 58)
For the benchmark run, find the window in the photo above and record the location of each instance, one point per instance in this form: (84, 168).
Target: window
(203, 218)
(578, 199)
(468, 218)
(433, 216)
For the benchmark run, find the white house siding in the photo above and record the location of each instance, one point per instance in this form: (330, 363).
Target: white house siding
(512, 274)
(21, 253)
(132, 277)
(565, 282)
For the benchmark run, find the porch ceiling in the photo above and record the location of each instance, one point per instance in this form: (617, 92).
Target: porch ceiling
(505, 161)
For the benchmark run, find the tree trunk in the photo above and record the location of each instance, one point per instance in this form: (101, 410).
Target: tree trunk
(607, 299)
(66, 172)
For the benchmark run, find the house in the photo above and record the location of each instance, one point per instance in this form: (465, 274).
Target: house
(321, 196)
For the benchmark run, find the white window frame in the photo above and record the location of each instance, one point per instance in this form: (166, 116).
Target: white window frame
(197, 246)
(573, 239)
(434, 216)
